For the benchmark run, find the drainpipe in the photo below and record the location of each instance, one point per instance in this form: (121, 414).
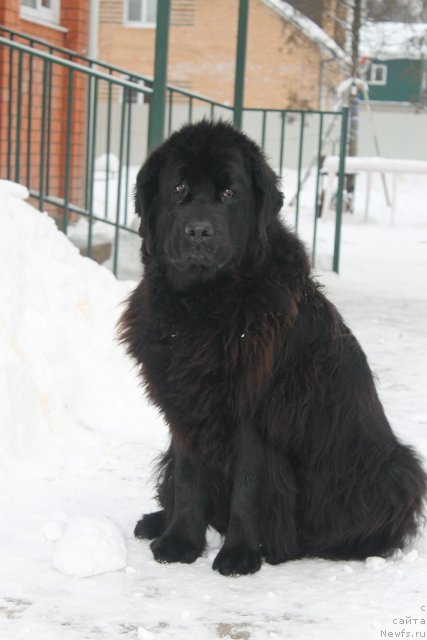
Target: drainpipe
(92, 50)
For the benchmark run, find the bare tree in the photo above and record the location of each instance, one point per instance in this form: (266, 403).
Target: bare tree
(396, 10)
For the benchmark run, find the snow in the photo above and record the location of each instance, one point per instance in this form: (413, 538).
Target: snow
(90, 546)
(374, 562)
(53, 530)
(143, 634)
(108, 162)
(393, 40)
(78, 440)
(373, 163)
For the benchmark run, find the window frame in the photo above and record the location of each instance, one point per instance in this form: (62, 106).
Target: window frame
(372, 72)
(40, 13)
(138, 24)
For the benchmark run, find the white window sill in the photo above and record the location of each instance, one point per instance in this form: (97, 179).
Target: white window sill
(43, 22)
(140, 25)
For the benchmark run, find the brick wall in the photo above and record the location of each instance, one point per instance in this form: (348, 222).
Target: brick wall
(72, 33)
(282, 64)
(282, 67)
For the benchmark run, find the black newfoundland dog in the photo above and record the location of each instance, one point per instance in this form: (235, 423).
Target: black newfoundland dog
(278, 438)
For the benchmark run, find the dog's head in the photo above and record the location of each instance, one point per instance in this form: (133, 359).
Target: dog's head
(204, 197)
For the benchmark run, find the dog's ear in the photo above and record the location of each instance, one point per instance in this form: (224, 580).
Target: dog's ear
(268, 197)
(146, 188)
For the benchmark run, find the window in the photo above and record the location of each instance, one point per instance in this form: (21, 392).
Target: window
(140, 13)
(377, 74)
(45, 10)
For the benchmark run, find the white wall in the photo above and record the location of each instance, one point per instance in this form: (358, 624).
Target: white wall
(400, 134)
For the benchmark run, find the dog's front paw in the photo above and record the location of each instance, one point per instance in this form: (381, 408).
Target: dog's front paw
(150, 526)
(173, 547)
(237, 561)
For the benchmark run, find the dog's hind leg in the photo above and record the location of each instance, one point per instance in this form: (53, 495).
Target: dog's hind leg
(384, 513)
(279, 530)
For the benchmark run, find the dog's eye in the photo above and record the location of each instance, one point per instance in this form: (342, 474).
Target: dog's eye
(227, 193)
(180, 188)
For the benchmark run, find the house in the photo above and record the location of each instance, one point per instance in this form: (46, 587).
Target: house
(63, 23)
(59, 23)
(292, 60)
(395, 57)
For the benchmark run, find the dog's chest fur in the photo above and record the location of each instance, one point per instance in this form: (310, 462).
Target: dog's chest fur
(207, 355)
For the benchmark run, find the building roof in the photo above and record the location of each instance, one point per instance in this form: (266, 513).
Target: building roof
(394, 40)
(309, 28)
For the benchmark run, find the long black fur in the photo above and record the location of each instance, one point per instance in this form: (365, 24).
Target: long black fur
(278, 438)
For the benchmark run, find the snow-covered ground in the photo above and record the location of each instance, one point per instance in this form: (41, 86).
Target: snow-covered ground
(77, 441)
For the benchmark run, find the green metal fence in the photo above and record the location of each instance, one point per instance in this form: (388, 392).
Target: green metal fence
(59, 177)
(104, 111)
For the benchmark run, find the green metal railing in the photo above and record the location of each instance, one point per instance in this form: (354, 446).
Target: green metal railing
(187, 106)
(39, 124)
(319, 144)
(104, 110)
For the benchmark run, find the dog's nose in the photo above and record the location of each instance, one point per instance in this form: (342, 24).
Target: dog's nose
(199, 229)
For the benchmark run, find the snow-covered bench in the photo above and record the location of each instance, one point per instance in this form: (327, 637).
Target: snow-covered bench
(370, 165)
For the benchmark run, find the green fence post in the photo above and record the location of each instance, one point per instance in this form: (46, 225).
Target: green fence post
(282, 142)
(264, 127)
(10, 117)
(29, 118)
(170, 110)
(18, 118)
(42, 155)
(68, 147)
(156, 118)
(340, 192)
(300, 154)
(316, 195)
(239, 81)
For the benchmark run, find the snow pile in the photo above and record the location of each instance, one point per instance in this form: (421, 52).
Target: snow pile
(90, 546)
(61, 367)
